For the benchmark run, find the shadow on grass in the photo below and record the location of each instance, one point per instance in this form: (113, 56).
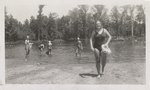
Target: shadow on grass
(88, 74)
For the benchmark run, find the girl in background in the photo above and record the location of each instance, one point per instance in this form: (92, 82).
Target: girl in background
(41, 48)
(49, 47)
(28, 46)
(79, 47)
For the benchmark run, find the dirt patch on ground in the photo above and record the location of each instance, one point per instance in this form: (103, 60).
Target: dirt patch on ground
(120, 73)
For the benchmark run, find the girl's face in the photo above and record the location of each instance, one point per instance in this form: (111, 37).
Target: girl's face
(98, 24)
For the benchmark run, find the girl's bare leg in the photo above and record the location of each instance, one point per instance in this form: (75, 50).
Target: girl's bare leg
(104, 58)
(97, 57)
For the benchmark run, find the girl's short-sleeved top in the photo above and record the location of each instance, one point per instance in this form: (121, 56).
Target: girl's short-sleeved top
(49, 45)
(26, 42)
(79, 45)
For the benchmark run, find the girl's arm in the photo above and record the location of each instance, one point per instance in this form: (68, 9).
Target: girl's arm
(25, 42)
(81, 45)
(91, 41)
(109, 37)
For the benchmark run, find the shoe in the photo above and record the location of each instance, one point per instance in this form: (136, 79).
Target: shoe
(98, 76)
(38, 63)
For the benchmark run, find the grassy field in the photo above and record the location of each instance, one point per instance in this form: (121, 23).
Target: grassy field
(64, 68)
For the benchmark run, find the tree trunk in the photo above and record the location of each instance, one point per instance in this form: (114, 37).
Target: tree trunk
(38, 34)
(132, 28)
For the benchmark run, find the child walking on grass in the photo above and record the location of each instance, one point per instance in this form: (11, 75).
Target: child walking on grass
(79, 47)
(49, 47)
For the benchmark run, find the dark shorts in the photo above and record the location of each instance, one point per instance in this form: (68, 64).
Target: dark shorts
(41, 48)
(49, 50)
(79, 48)
(27, 51)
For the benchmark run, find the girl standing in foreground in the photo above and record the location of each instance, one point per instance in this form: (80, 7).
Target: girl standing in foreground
(97, 39)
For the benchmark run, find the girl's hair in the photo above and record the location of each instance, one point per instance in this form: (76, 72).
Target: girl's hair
(27, 37)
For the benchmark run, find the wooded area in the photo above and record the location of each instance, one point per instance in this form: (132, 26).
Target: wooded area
(125, 21)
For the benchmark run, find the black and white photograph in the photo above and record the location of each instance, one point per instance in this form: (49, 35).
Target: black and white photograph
(75, 43)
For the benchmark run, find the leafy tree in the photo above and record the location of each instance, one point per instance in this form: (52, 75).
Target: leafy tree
(51, 25)
(127, 20)
(140, 18)
(11, 27)
(33, 26)
(83, 10)
(132, 8)
(75, 20)
(90, 24)
(39, 21)
(115, 17)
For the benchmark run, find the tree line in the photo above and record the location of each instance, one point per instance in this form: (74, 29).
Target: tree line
(127, 20)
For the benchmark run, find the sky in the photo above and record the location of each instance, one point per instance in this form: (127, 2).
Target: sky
(24, 10)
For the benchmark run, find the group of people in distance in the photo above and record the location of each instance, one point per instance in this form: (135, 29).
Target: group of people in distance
(99, 41)
(28, 46)
(49, 51)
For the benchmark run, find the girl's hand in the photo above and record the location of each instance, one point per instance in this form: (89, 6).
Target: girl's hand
(106, 44)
